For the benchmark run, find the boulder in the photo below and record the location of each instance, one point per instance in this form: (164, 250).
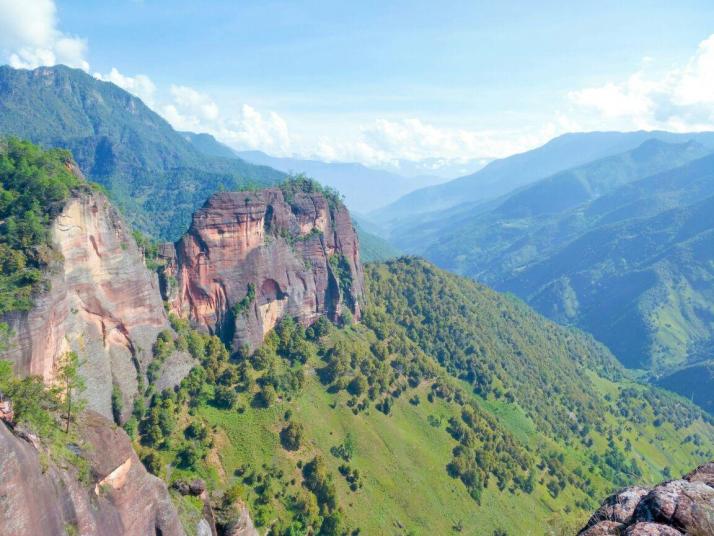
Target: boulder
(602, 528)
(682, 504)
(619, 507)
(703, 473)
(672, 508)
(650, 529)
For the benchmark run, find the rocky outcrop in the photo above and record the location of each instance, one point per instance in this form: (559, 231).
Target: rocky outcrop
(101, 302)
(252, 258)
(38, 496)
(672, 508)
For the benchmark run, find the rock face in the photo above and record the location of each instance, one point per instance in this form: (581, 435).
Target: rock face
(121, 498)
(102, 303)
(672, 508)
(252, 258)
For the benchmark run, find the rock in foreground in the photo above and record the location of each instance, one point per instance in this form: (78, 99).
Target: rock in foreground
(672, 508)
(119, 496)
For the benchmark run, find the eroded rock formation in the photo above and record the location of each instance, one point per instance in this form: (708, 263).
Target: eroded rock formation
(251, 258)
(122, 498)
(672, 508)
(101, 302)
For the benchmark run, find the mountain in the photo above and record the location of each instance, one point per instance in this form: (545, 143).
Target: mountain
(394, 398)
(152, 172)
(208, 145)
(619, 247)
(373, 247)
(694, 382)
(505, 175)
(365, 189)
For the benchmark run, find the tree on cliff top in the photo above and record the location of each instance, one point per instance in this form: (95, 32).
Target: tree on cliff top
(34, 184)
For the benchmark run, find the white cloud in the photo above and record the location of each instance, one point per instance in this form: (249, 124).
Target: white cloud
(678, 99)
(29, 36)
(241, 128)
(139, 85)
(386, 141)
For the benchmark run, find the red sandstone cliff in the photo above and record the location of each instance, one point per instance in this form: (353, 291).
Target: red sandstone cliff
(251, 258)
(42, 498)
(101, 302)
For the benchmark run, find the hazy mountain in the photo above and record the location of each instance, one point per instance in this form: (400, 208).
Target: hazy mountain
(365, 189)
(621, 247)
(505, 175)
(440, 167)
(208, 145)
(155, 175)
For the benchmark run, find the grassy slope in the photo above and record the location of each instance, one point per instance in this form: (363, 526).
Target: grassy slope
(402, 458)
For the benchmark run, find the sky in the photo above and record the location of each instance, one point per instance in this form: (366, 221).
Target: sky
(380, 82)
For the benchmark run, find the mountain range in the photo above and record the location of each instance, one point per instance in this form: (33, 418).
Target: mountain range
(254, 375)
(502, 176)
(241, 371)
(365, 189)
(619, 246)
(153, 173)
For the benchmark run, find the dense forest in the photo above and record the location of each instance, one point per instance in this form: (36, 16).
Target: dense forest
(34, 185)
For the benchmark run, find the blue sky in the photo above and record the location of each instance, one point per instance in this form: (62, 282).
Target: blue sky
(382, 81)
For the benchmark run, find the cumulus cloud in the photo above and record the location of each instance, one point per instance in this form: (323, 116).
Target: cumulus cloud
(140, 85)
(242, 128)
(386, 142)
(679, 99)
(29, 36)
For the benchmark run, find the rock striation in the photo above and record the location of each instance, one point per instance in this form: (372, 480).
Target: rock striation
(122, 498)
(101, 302)
(251, 258)
(673, 508)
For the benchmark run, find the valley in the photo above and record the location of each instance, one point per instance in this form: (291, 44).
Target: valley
(215, 327)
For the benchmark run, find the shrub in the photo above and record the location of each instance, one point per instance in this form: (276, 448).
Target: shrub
(291, 436)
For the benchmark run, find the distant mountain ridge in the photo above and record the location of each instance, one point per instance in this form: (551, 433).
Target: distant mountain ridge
(621, 247)
(149, 169)
(365, 188)
(505, 175)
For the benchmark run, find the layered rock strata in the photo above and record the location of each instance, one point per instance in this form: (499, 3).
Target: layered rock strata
(101, 302)
(121, 497)
(252, 258)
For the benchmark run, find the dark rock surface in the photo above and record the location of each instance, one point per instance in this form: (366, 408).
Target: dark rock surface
(673, 508)
(281, 250)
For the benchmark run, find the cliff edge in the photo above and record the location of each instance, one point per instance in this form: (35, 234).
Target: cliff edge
(251, 258)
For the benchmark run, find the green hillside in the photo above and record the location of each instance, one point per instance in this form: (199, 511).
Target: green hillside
(374, 248)
(620, 247)
(450, 408)
(152, 172)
